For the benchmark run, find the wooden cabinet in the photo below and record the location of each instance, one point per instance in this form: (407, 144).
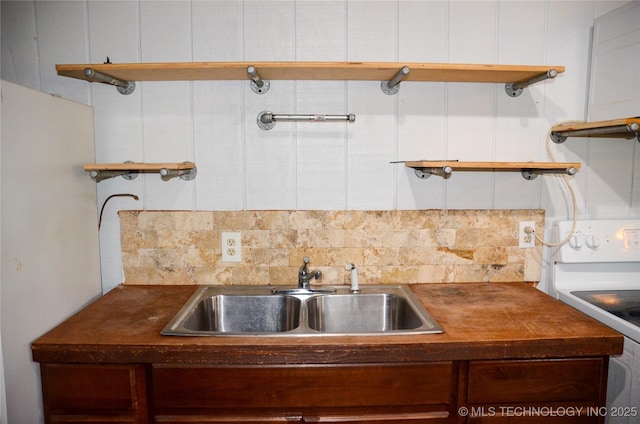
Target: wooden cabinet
(490, 391)
(501, 347)
(94, 393)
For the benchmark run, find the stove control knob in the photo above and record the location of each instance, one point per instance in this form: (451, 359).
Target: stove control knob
(592, 241)
(575, 242)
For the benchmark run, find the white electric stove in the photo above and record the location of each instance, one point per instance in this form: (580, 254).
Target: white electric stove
(598, 273)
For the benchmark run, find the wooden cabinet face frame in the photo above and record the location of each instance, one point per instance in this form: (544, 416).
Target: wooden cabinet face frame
(429, 392)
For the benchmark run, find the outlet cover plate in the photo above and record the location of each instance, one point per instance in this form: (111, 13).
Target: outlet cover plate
(527, 240)
(231, 247)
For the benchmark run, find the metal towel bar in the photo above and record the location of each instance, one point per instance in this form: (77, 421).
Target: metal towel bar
(267, 120)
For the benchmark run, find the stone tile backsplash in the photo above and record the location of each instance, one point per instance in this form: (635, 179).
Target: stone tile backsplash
(388, 247)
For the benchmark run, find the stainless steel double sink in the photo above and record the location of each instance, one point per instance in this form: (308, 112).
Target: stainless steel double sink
(265, 311)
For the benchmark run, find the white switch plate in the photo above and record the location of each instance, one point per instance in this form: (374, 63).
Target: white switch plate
(527, 240)
(231, 247)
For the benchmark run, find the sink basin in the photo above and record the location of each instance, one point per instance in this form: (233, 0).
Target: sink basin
(362, 313)
(244, 314)
(261, 311)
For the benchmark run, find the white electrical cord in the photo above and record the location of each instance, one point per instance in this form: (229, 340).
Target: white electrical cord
(569, 187)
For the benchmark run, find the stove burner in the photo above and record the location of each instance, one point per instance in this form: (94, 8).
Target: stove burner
(621, 303)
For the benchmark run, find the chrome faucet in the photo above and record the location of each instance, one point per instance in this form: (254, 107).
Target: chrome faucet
(304, 275)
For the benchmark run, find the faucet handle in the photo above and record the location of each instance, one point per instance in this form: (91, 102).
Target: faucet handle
(303, 268)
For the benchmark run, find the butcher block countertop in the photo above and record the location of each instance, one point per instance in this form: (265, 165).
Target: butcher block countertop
(480, 321)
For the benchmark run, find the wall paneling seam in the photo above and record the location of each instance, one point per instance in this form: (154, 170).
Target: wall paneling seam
(35, 22)
(194, 192)
(245, 196)
(346, 102)
(445, 135)
(494, 123)
(87, 21)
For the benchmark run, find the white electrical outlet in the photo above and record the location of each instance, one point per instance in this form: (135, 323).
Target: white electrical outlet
(526, 236)
(231, 247)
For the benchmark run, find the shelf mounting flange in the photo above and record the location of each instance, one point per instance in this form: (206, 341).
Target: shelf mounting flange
(514, 89)
(257, 84)
(123, 87)
(392, 86)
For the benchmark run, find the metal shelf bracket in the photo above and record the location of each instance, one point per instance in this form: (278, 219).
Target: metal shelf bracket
(98, 176)
(424, 173)
(561, 136)
(257, 84)
(123, 87)
(392, 86)
(514, 89)
(532, 174)
(185, 175)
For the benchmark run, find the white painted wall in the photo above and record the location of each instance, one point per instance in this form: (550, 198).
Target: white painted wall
(306, 166)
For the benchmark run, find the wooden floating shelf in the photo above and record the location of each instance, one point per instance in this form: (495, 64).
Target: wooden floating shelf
(616, 128)
(130, 170)
(139, 166)
(529, 170)
(124, 76)
(364, 71)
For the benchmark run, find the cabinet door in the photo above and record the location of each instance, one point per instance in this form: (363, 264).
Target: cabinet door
(94, 393)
